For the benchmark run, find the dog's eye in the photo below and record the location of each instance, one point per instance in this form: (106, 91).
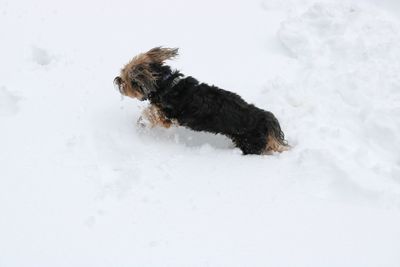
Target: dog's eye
(134, 84)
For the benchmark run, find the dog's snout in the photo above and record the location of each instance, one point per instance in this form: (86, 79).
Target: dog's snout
(117, 80)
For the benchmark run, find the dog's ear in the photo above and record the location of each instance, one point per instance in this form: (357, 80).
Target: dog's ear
(161, 54)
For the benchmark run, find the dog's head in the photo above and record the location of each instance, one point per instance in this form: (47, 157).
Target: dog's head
(138, 77)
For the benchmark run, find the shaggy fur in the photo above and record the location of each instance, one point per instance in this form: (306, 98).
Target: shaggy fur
(178, 100)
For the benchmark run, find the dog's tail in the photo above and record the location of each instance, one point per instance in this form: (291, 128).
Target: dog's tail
(275, 137)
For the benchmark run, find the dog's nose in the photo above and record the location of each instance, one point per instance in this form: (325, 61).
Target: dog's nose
(119, 84)
(117, 80)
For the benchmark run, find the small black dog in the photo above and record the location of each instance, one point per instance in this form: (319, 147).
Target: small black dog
(178, 100)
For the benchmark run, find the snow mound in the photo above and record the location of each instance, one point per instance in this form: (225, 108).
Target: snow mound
(344, 100)
(8, 102)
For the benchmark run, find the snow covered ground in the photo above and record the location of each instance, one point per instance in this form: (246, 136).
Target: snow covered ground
(81, 185)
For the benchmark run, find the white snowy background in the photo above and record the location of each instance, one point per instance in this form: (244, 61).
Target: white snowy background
(81, 185)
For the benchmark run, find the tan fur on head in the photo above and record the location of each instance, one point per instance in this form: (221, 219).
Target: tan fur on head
(136, 78)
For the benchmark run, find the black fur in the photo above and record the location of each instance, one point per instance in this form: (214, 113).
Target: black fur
(202, 107)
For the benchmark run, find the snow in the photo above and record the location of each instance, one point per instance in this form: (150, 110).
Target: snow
(346, 53)
(81, 184)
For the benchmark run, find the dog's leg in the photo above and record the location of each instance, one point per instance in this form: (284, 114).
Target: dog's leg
(152, 117)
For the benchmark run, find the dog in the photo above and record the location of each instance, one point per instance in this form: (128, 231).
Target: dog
(178, 100)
